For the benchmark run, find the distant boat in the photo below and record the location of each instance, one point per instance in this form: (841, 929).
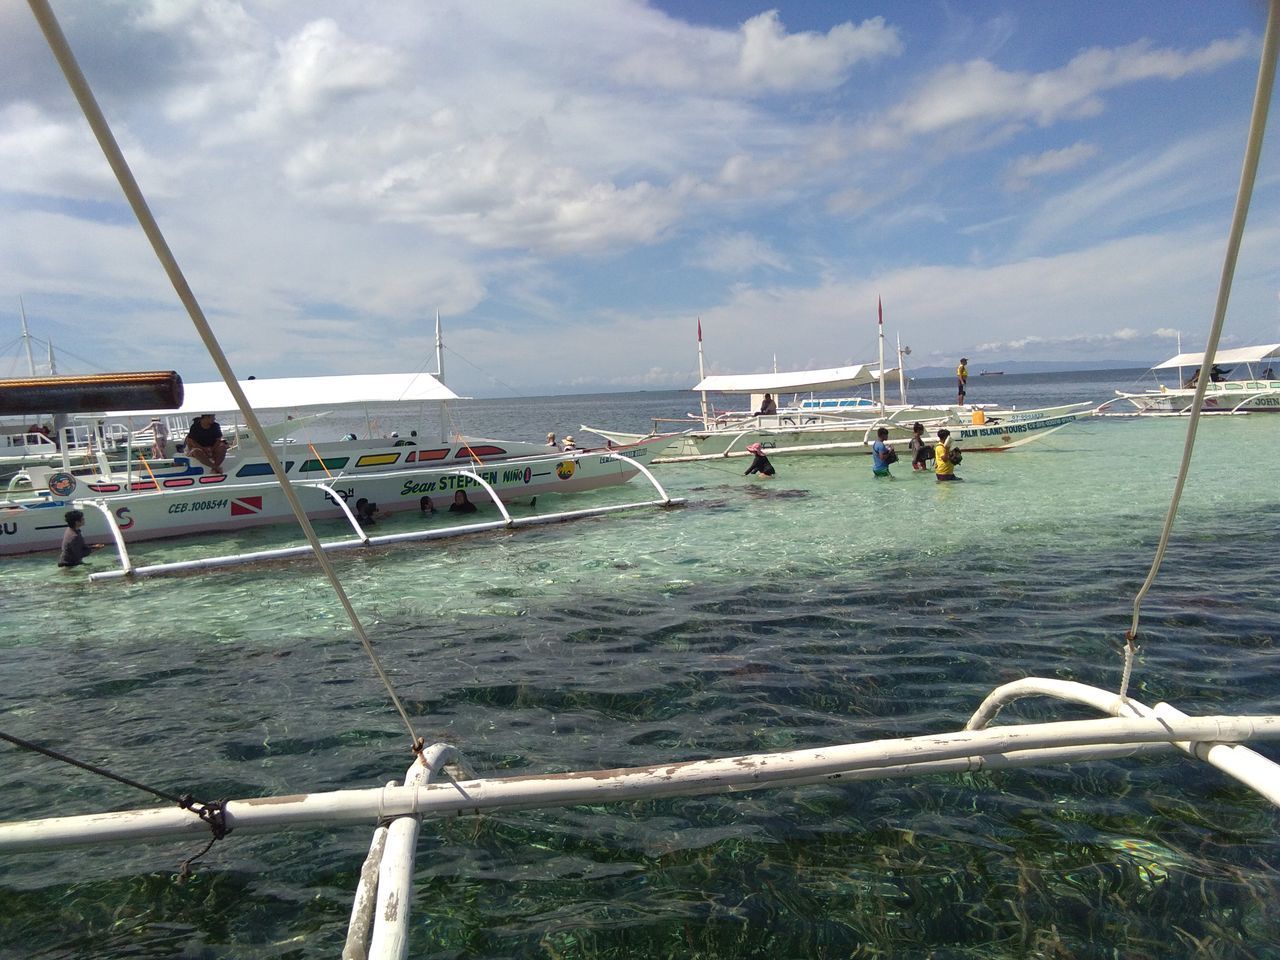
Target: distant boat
(991, 373)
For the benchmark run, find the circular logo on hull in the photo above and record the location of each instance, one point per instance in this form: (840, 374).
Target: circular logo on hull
(566, 469)
(62, 484)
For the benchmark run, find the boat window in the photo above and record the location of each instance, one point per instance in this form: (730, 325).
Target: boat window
(260, 469)
(329, 463)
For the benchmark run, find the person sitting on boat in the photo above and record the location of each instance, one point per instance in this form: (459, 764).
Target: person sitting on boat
(882, 454)
(426, 506)
(759, 462)
(1268, 374)
(569, 444)
(767, 406)
(204, 442)
(551, 440)
(74, 549)
(1192, 381)
(159, 439)
(1217, 374)
(921, 448)
(461, 503)
(943, 464)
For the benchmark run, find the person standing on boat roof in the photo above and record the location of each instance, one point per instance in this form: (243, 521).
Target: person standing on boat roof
(767, 406)
(962, 379)
(759, 462)
(74, 549)
(204, 442)
(921, 447)
(882, 454)
(159, 439)
(944, 457)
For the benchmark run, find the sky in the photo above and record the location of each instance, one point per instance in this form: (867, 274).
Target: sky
(575, 185)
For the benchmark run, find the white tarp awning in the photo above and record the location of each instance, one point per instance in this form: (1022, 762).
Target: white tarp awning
(795, 381)
(299, 393)
(1224, 358)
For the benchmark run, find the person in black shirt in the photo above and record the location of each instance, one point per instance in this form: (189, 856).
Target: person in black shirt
(204, 442)
(74, 549)
(461, 504)
(759, 462)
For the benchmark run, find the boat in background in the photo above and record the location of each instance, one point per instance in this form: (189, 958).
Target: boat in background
(1257, 392)
(837, 425)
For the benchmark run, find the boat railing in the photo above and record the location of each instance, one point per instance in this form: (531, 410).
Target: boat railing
(362, 537)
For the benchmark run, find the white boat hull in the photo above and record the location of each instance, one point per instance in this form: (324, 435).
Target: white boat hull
(1233, 396)
(837, 436)
(195, 502)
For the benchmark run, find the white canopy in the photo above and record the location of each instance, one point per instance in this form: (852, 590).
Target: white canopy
(1269, 351)
(296, 393)
(796, 381)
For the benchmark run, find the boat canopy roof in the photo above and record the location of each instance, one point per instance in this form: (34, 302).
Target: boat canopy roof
(297, 393)
(1268, 351)
(795, 381)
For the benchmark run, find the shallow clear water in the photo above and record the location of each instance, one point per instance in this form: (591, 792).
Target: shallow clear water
(819, 607)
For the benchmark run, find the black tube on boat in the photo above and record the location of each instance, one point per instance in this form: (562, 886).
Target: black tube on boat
(95, 393)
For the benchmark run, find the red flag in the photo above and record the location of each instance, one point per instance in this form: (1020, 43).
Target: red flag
(699, 329)
(880, 310)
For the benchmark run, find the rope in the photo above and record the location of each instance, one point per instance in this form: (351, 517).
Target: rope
(106, 140)
(1253, 149)
(213, 813)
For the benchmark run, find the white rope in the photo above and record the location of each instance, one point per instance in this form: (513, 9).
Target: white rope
(106, 140)
(1253, 149)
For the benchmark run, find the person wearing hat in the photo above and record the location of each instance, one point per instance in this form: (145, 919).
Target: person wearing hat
(944, 465)
(962, 378)
(159, 439)
(569, 444)
(759, 462)
(204, 442)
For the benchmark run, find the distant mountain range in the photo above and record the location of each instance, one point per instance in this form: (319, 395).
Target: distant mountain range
(1032, 366)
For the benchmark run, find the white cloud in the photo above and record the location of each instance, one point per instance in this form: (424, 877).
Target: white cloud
(980, 92)
(1023, 168)
(739, 253)
(759, 58)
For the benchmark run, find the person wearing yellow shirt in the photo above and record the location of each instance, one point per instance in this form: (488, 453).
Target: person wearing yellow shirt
(962, 379)
(943, 465)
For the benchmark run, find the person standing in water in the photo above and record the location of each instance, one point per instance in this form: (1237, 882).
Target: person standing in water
(921, 448)
(943, 465)
(759, 462)
(882, 454)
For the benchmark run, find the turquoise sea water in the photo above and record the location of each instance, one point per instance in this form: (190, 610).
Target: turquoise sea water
(820, 607)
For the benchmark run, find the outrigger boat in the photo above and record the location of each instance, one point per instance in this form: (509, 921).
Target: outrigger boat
(141, 499)
(837, 425)
(1256, 392)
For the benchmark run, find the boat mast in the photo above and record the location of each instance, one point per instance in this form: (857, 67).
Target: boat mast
(706, 425)
(444, 404)
(902, 369)
(880, 315)
(26, 338)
